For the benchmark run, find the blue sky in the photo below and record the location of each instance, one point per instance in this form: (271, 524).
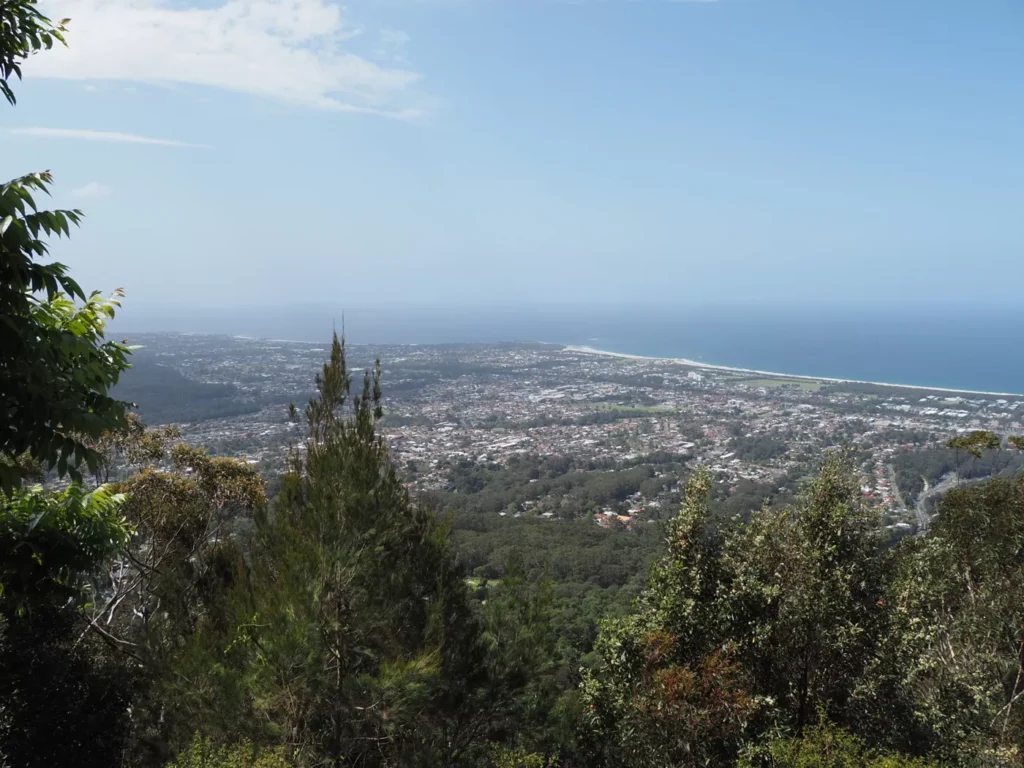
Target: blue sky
(446, 152)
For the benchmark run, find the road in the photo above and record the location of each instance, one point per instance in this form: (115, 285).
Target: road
(924, 520)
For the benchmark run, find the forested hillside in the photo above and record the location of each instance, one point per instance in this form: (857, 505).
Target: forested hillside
(163, 396)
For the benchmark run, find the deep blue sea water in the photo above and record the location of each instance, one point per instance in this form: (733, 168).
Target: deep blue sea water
(934, 346)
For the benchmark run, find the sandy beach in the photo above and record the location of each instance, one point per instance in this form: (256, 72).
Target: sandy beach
(777, 374)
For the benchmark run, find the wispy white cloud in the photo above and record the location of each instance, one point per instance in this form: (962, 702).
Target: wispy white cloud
(92, 189)
(390, 46)
(79, 133)
(289, 50)
(395, 38)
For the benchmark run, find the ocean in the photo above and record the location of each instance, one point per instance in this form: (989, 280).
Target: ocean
(956, 348)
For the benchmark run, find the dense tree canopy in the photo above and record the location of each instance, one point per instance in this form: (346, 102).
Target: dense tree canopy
(798, 623)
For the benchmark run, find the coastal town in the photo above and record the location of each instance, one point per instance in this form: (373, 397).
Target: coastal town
(489, 405)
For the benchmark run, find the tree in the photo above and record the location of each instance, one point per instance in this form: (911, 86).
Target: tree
(957, 644)
(51, 542)
(974, 443)
(165, 599)
(63, 697)
(23, 31)
(62, 700)
(521, 703)
(132, 447)
(348, 634)
(56, 368)
(743, 630)
(105, 594)
(826, 746)
(806, 596)
(667, 690)
(202, 754)
(357, 636)
(363, 580)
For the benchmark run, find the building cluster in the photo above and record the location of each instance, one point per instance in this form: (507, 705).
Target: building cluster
(487, 403)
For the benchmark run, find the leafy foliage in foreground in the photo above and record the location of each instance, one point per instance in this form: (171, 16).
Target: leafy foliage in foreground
(56, 367)
(23, 31)
(61, 699)
(49, 541)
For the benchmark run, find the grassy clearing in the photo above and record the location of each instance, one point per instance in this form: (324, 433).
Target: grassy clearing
(644, 408)
(805, 384)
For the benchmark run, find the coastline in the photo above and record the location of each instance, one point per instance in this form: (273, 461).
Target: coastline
(776, 374)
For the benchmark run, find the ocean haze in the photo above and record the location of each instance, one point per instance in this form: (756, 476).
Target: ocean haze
(957, 348)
